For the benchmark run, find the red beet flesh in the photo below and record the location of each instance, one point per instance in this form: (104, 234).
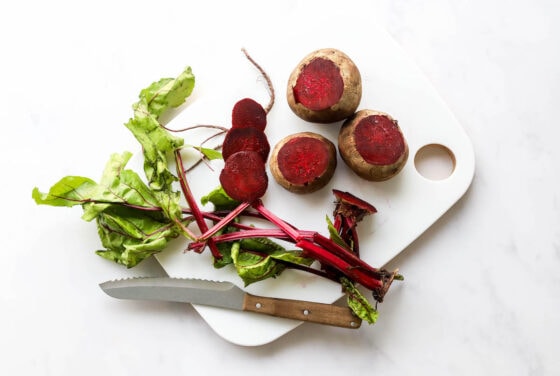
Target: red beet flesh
(319, 86)
(372, 144)
(303, 159)
(303, 162)
(244, 176)
(248, 113)
(379, 140)
(245, 139)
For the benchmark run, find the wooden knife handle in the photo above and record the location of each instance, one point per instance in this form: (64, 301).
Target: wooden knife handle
(302, 310)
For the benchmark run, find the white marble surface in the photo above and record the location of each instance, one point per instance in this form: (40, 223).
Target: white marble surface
(482, 291)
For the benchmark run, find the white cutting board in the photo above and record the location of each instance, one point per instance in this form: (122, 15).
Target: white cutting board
(407, 204)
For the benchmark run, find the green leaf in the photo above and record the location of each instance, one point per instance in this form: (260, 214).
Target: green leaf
(225, 249)
(220, 199)
(358, 303)
(257, 259)
(131, 235)
(335, 236)
(254, 267)
(168, 92)
(119, 186)
(68, 191)
(211, 154)
(156, 143)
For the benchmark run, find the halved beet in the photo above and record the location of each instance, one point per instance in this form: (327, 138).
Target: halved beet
(303, 162)
(372, 144)
(244, 176)
(245, 139)
(248, 113)
(325, 87)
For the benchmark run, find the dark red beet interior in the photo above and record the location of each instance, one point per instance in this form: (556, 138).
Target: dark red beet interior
(303, 159)
(379, 140)
(319, 85)
(247, 139)
(244, 176)
(248, 113)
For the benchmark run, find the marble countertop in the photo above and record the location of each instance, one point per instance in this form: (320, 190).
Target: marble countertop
(482, 293)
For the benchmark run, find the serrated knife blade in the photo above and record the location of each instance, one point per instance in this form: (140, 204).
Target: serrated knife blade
(228, 295)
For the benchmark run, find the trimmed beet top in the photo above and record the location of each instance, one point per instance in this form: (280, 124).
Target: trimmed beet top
(325, 87)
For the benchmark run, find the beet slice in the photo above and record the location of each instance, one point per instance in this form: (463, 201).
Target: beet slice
(372, 144)
(248, 113)
(245, 139)
(303, 162)
(319, 85)
(244, 176)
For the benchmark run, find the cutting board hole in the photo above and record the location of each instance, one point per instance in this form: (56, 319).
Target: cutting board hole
(435, 162)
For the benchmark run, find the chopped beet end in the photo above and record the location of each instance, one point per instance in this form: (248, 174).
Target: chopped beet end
(247, 113)
(303, 159)
(347, 198)
(244, 176)
(319, 85)
(245, 139)
(379, 140)
(350, 206)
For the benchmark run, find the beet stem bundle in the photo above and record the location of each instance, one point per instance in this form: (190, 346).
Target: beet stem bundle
(329, 254)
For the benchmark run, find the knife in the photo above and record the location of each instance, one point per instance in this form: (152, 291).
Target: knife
(228, 295)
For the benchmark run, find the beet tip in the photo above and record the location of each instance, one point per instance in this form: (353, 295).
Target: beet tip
(248, 113)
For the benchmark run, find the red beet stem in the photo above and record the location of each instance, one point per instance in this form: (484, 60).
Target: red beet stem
(224, 221)
(192, 203)
(287, 228)
(252, 233)
(346, 255)
(328, 259)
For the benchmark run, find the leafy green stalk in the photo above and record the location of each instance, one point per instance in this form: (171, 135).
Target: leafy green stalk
(134, 219)
(358, 303)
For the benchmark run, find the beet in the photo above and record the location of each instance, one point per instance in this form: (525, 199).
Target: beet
(325, 87)
(372, 144)
(244, 176)
(303, 162)
(245, 139)
(248, 113)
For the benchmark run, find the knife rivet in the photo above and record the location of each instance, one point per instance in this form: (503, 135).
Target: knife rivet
(258, 305)
(353, 323)
(306, 312)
